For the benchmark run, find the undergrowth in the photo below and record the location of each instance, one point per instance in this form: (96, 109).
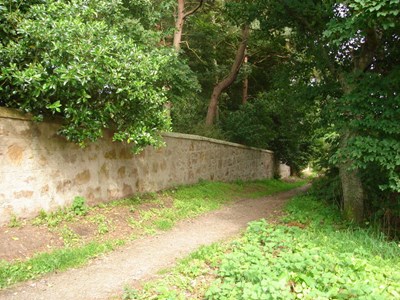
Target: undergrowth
(188, 201)
(311, 254)
(53, 219)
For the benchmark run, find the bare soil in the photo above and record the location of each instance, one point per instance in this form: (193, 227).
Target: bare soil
(22, 242)
(137, 261)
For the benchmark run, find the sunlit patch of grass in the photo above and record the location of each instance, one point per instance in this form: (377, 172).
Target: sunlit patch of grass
(164, 224)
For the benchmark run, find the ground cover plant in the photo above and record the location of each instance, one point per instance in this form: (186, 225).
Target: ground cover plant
(71, 236)
(310, 254)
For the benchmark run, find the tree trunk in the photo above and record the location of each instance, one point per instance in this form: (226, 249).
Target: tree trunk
(353, 193)
(352, 189)
(227, 81)
(179, 22)
(245, 91)
(180, 18)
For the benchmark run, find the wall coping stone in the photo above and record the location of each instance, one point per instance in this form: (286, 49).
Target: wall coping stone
(8, 113)
(215, 141)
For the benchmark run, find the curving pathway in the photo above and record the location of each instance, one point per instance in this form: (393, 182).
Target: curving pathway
(141, 259)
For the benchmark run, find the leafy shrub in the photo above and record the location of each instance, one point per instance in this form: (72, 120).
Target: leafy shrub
(79, 206)
(93, 64)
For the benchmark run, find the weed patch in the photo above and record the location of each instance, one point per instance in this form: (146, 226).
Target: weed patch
(164, 224)
(53, 219)
(69, 237)
(311, 254)
(79, 206)
(15, 222)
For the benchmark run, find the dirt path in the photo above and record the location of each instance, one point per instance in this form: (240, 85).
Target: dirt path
(142, 258)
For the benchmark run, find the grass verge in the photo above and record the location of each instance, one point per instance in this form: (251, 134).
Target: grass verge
(311, 254)
(187, 202)
(58, 260)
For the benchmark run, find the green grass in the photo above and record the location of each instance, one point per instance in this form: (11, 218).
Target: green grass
(69, 237)
(57, 260)
(191, 201)
(164, 224)
(188, 201)
(206, 196)
(311, 254)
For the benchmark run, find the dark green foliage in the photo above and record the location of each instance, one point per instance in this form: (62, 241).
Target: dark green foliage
(372, 110)
(210, 42)
(351, 51)
(371, 107)
(281, 121)
(328, 188)
(252, 125)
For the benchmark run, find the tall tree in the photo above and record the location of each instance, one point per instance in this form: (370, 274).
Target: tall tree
(363, 32)
(229, 79)
(349, 42)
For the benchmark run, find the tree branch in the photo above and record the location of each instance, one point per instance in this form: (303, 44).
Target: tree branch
(229, 79)
(193, 10)
(194, 52)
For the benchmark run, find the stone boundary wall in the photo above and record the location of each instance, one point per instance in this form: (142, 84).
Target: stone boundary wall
(41, 170)
(284, 171)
